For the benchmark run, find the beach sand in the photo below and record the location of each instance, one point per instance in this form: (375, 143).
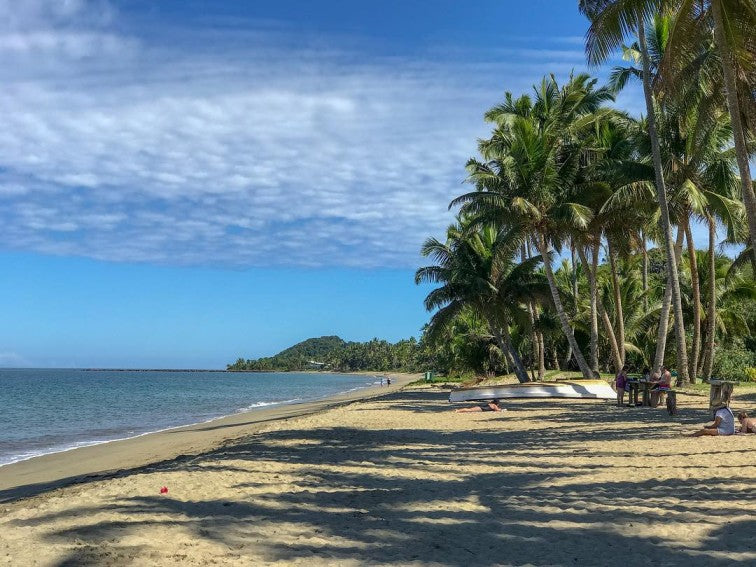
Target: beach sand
(403, 480)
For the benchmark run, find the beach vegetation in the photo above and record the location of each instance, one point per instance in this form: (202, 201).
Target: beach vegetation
(607, 203)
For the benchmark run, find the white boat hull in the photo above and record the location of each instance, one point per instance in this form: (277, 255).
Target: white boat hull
(586, 389)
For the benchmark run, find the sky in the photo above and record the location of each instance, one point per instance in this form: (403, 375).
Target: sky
(186, 182)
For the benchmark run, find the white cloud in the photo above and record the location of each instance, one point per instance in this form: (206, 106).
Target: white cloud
(122, 150)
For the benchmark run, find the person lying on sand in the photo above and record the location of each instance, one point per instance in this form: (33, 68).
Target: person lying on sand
(724, 423)
(747, 424)
(493, 405)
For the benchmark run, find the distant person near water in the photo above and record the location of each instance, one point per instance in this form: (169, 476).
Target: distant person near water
(747, 424)
(724, 423)
(493, 405)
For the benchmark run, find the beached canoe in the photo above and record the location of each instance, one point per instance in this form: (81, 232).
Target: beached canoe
(588, 389)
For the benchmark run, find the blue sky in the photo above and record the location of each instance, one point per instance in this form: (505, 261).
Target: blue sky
(183, 183)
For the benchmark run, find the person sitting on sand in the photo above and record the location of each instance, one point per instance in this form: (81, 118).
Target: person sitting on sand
(724, 423)
(493, 405)
(747, 424)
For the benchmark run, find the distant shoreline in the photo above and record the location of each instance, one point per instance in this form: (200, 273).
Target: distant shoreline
(152, 370)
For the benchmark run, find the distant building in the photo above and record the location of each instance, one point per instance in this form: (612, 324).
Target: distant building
(313, 365)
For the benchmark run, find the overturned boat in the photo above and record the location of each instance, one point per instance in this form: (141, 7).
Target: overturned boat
(587, 389)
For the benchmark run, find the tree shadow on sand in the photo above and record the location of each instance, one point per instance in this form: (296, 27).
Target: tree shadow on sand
(349, 504)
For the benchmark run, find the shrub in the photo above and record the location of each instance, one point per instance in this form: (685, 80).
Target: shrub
(734, 363)
(751, 374)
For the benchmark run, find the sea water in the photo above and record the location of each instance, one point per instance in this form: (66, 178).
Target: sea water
(49, 410)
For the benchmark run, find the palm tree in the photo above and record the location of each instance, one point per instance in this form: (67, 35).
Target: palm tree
(611, 21)
(727, 26)
(734, 300)
(532, 160)
(478, 273)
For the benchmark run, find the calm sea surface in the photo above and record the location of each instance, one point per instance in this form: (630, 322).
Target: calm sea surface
(44, 411)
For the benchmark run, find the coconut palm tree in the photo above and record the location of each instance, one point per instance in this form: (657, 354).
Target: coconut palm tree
(478, 273)
(726, 29)
(734, 302)
(532, 160)
(611, 22)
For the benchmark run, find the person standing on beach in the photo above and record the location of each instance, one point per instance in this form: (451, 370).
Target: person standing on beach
(620, 382)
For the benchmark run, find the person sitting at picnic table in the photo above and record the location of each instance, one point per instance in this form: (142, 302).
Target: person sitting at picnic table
(655, 377)
(662, 380)
(724, 423)
(666, 379)
(492, 405)
(620, 381)
(747, 424)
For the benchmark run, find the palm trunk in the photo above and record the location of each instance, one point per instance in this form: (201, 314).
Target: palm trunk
(533, 340)
(741, 150)
(618, 303)
(644, 274)
(575, 297)
(683, 376)
(663, 331)
(618, 361)
(566, 329)
(593, 290)
(505, 344)
(661, 193)
(695, 352)
(555, 359)
(541, 357)
(525, 253)
(711, 316)
(604, 318)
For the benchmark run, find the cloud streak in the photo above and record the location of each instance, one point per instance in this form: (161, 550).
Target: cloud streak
(248, 153)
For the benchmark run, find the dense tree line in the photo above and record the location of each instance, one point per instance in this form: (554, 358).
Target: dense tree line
(334, 354)
(575, 249)
(564, 173)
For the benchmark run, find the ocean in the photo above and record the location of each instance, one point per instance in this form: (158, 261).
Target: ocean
(49, 410)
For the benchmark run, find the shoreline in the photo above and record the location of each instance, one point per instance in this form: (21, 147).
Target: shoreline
(252, 408)
(105, 459)
(400, 479)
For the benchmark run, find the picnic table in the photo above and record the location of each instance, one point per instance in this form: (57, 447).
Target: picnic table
(638, 386)
(645, 388)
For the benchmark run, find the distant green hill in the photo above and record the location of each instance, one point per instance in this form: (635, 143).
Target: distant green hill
(334, 353)
(313, 349)
(297, 357)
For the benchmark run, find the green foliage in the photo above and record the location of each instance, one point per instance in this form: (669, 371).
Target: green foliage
(751, 374)
(335, 354)
(734, 362)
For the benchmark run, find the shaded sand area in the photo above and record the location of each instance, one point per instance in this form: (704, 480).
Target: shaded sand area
(403, 480)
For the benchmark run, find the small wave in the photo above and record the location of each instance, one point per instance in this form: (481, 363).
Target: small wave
(258, 405)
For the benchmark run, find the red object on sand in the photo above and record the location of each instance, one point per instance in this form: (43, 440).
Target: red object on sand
(164, 490)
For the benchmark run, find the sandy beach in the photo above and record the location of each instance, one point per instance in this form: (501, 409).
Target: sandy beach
(397, 479)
